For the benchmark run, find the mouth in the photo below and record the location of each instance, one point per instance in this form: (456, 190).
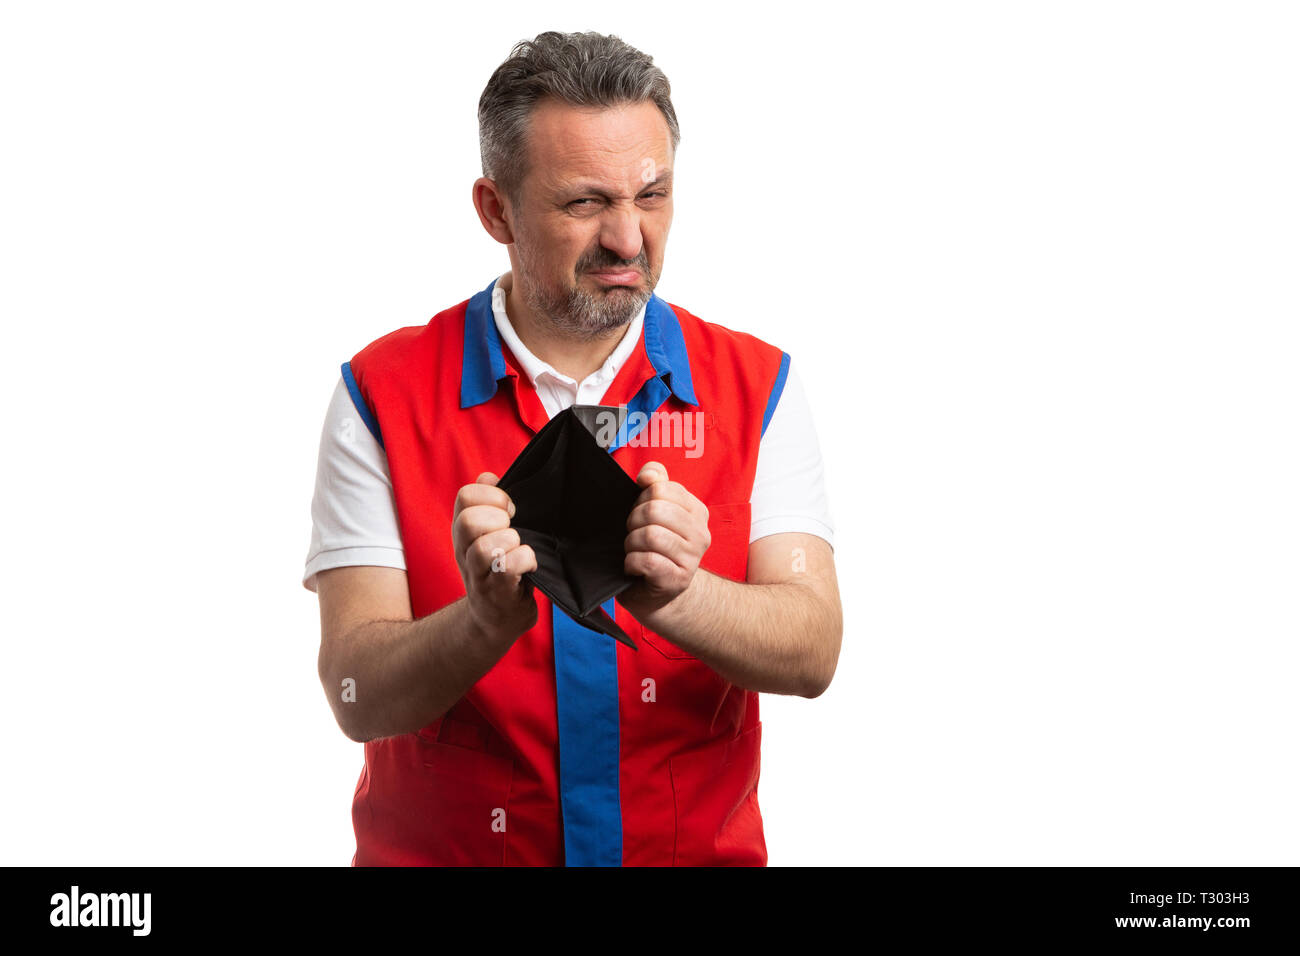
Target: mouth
(618, 276)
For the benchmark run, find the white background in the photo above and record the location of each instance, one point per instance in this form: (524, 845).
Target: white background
(1036, 261)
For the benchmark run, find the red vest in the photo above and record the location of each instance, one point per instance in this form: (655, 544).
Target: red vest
(480, 786)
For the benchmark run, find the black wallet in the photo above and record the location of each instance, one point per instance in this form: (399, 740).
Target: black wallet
(572, 501)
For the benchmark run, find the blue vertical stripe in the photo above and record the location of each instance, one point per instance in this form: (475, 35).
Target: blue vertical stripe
(586, 690)
(586, 662)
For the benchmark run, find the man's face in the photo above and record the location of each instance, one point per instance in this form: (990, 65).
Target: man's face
(593, 214)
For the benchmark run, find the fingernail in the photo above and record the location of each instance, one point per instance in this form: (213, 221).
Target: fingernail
(511, 509)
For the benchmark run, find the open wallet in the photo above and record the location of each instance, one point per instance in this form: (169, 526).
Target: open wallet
(572, 501)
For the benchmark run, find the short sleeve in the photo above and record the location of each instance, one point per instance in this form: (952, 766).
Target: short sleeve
(789, 488)
(354, 518)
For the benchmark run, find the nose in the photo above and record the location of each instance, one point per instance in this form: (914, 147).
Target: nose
(620, 232)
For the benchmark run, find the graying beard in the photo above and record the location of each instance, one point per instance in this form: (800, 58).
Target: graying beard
(573, 317)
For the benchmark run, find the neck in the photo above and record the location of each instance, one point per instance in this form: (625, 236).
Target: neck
(575, 357)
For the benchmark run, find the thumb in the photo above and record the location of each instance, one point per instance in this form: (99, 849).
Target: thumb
(651, 472)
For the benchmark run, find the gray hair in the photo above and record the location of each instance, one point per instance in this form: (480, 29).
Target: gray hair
(583, 69)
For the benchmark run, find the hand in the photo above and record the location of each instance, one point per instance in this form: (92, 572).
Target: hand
(669, 534)
(492, 560)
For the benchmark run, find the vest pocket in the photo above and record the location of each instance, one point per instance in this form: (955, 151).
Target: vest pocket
(715, 803)
(433, 803)
(469, 796)
(664, 646)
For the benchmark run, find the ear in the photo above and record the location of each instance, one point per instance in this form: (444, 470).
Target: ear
(493, 209)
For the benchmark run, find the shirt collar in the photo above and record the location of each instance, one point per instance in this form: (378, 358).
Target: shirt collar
(483, 364)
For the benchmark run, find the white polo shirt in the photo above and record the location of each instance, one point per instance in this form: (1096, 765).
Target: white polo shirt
(354, 517)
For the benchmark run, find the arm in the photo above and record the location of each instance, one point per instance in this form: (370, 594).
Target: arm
(778, 632)
(409, 673)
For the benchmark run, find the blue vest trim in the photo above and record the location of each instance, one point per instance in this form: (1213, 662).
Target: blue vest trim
(359, 401)
(777, 389)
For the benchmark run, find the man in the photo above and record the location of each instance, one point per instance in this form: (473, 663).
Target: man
(496, 729)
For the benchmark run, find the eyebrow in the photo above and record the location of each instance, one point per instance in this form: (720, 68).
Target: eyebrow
(665, 178)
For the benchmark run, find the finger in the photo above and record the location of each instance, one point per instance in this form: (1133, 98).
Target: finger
(673, 491)
(522, 560)
(657, 539)
(651, 472)
(475, 522)
(491, 480)
(514, 564)
(665, 511)
(487, 552)
(647, 564)
(482, 493)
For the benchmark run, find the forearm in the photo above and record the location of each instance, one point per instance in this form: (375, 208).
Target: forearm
(774, 638)
(407, 673)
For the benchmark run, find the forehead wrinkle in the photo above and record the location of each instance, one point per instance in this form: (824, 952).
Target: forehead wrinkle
(600, 154)
(600, 144)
